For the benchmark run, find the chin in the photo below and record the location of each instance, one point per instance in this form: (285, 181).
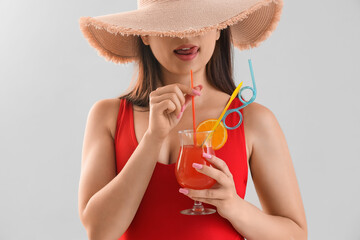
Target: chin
(181, 70)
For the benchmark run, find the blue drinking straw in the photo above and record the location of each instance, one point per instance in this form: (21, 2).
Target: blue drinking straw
(244, 103)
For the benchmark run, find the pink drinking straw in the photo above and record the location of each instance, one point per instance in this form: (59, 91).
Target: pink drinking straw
(193, 107)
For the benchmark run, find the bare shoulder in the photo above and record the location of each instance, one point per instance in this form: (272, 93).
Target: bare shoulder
(104, 112)
(105, 106)
(260, 124)
(259, 117)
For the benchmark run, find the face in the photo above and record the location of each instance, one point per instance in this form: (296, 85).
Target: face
(180, 55)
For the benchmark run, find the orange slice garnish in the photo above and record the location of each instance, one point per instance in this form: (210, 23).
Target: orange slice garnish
(220, 135)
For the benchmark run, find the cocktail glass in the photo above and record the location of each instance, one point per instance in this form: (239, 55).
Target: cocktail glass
(192, 147)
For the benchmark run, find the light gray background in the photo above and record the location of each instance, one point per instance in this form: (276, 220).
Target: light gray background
(307, 73)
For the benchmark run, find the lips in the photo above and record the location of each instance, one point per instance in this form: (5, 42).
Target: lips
(187, 49)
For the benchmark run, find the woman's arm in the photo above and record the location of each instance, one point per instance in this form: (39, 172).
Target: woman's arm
(108, 202)
(283, 215)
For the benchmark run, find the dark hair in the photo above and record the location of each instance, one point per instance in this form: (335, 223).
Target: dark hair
(219, 70)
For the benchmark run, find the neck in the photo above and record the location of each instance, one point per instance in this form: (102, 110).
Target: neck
(199, 77)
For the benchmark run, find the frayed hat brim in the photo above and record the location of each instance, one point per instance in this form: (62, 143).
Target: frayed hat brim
(114, 35)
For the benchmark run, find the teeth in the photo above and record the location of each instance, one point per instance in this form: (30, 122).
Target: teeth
(185, 49)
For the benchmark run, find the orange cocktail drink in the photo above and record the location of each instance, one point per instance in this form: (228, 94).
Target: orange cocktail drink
(192, 146)
(186, 175)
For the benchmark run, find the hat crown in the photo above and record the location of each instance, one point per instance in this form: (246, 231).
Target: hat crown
(116, 35)
(144, 3)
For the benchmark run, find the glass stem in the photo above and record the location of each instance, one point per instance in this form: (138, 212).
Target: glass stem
(198, 207)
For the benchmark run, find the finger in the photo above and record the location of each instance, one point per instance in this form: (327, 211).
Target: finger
(206, 193)
(196, 195)
(188, 97)
(210, 201)
(183, 88)
(218, 163)
(180, 90)
(199, 87)
(196, 91)
(166, 105)
(212, 172)
(173, 97)
(173, 88)
(180, 94)
(187, 100)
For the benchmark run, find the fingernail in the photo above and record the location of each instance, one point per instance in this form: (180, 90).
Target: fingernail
(199, 86)
(197, 166)
(178, 116)
(184, 191)
(196, 92)
(206, 155)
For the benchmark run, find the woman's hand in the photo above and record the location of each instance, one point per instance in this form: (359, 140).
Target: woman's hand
(223, 194)
(167, 105)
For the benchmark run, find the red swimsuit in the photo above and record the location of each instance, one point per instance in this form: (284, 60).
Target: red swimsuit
(158, 216)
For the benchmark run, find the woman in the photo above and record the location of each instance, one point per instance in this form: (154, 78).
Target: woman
(128, 188)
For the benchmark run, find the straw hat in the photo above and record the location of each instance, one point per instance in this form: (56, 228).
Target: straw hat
(114, 35)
